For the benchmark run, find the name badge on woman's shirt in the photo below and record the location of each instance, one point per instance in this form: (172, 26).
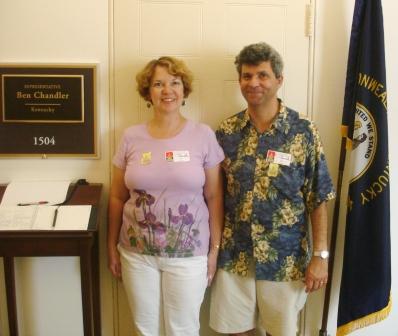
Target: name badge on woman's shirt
(177, 156)
(146, 158)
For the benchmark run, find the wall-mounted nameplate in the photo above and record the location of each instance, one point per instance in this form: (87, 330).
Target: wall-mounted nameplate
(48, 110)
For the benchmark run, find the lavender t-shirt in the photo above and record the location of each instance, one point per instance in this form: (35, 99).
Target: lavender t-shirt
(166, 214)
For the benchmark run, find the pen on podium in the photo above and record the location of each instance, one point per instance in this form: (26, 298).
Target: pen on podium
(33, 203)
(55, 216)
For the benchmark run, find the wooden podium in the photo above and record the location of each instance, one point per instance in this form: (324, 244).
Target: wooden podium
(84, 244)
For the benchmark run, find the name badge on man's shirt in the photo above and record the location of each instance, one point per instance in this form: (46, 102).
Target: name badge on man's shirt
(177, 156)
(283, 159)
(273, 169)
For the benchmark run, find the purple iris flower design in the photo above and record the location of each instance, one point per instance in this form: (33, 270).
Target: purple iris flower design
(186, 217)
(143, 198)
(172, 218)
(150, 221)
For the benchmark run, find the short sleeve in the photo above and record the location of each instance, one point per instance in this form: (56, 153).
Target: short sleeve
(119, 159)
(214, 153)
(319, 187)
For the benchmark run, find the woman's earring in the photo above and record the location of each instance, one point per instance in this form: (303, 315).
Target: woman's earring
(183, 103)
(148, 104)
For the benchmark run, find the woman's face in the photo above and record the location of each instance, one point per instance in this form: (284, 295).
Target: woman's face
(166, 91)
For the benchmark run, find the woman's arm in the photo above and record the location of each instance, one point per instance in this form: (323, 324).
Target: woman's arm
(213, 193)
(119, 194)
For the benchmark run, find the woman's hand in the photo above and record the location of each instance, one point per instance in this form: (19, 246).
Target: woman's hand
(211, 265)
(114, 262)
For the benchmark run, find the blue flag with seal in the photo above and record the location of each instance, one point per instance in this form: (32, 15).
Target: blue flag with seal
(365, 292)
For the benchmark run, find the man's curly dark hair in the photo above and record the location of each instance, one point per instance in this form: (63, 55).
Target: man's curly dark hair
(256, 53)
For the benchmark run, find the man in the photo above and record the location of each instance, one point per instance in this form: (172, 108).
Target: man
(277, 186)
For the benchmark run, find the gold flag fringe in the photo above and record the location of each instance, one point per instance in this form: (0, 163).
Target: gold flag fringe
(365, 321)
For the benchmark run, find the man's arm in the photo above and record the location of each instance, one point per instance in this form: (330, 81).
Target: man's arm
(316, 274)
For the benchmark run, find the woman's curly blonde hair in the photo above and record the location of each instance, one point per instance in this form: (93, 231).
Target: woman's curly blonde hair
(173, 66)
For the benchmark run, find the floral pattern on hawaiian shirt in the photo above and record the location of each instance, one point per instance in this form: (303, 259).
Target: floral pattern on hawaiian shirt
(267, 204)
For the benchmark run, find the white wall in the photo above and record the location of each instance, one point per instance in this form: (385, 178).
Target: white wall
(77, 31)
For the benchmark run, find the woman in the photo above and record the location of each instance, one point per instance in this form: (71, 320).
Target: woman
(165, 207)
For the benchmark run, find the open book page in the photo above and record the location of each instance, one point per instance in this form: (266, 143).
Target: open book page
(73, 217)
(17, 218)
(41, 217)
(32, 192)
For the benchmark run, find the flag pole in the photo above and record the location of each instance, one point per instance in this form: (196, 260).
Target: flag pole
(333, 239)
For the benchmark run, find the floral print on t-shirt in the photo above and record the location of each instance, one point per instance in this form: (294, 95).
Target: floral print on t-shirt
(174, 235)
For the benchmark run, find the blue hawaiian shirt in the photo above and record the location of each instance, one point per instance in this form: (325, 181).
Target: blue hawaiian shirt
(274, 180)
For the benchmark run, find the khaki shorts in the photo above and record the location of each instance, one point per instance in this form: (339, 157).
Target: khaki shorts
(237, 302)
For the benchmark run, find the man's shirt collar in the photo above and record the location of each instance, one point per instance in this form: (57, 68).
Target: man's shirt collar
(278, 123)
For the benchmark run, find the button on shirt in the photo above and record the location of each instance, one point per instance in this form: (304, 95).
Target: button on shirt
(274, 180)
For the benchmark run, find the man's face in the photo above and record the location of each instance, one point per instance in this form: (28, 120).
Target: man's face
(258, 84)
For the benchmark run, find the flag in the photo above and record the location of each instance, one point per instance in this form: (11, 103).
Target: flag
(365, 292)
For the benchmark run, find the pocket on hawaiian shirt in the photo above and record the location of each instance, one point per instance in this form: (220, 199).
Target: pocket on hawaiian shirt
(290, 179)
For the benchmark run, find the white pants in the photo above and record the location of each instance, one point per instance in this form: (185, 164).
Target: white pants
(164, 294)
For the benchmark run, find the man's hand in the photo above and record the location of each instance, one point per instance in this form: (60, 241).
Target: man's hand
(316, 275)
